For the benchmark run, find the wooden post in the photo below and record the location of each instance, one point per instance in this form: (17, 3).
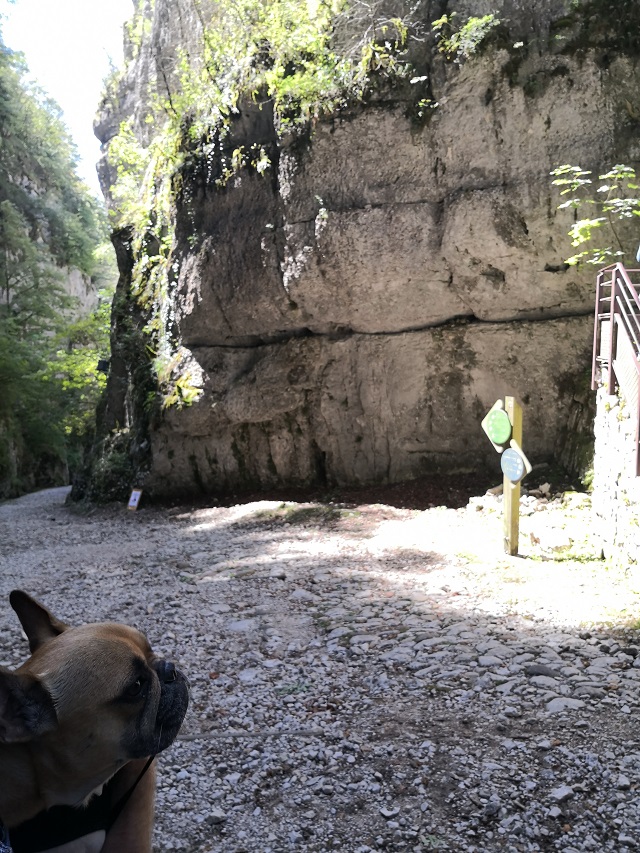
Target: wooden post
(511, 491)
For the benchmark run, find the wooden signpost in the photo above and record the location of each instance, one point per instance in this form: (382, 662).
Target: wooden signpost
(503, 426)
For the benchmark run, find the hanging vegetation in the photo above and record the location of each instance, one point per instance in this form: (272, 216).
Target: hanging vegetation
(300, 59)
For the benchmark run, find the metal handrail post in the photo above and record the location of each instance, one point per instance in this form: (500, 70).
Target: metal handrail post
(611, 382)
(638, 428)
(596, 331)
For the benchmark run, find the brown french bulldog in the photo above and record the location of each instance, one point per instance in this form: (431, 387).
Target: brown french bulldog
(80, 721)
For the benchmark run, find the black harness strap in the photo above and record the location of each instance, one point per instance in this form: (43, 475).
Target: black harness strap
(5, 847)
(122, 802)
(62, 824)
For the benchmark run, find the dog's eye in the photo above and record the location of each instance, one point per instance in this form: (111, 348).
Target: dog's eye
(134, 690)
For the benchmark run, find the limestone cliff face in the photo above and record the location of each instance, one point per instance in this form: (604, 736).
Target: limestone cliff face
(354, 313)
(85, 293)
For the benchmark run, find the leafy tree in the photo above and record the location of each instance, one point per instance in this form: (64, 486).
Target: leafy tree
(49, 225)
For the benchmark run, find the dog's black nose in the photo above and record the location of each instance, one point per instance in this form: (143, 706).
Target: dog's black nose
(166, 671)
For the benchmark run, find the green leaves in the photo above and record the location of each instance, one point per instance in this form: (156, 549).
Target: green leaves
(459, 44)
(616, 198)
(571, 178)
(49, 225)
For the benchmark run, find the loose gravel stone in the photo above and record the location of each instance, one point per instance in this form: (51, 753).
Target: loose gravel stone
(383, 680)
(564, 792)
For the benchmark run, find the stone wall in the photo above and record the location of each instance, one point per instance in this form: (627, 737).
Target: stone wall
(360, 408)
(616, 488)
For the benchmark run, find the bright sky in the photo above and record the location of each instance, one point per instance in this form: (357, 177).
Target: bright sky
(67, 45)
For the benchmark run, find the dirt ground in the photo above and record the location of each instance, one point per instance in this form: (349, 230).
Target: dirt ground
(368, 672)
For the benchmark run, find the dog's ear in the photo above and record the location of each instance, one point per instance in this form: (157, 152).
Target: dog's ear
(39, 625)
(26, 708)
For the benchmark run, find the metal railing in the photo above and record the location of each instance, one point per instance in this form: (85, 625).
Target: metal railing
(616, 330)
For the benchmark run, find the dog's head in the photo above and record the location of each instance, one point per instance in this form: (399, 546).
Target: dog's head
(87, 701)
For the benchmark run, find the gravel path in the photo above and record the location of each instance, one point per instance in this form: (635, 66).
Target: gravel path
(364, 679)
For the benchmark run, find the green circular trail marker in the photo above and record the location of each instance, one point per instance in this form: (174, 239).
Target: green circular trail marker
(498, 426)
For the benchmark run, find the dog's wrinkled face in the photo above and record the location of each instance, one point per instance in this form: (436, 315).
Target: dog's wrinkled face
(106, 683)
(88, 700)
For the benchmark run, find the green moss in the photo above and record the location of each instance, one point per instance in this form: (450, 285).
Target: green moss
(112, 474)
(459, 41)
(121, 454)
(596, 24)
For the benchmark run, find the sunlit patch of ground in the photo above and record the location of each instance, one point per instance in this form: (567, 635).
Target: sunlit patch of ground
(456, 554)
(558, 574)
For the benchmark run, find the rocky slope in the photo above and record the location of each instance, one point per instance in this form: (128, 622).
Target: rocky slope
(352, 315)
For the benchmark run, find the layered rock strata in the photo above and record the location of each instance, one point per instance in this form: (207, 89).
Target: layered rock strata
(354, 312)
